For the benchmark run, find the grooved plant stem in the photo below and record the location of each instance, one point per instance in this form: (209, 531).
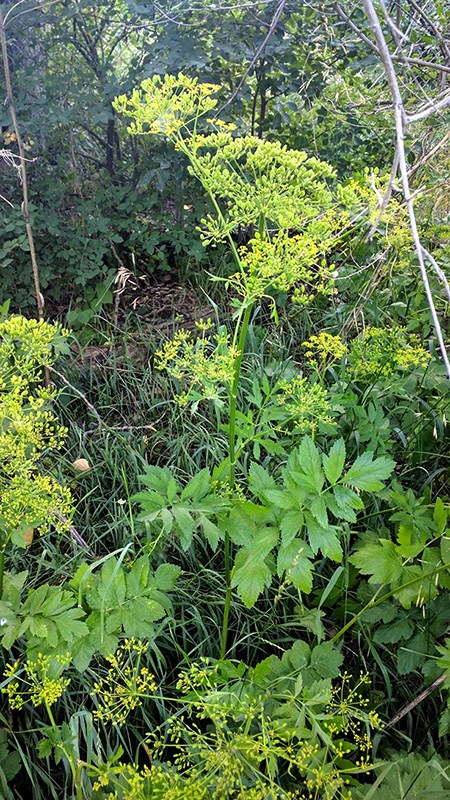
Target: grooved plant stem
(232, 455)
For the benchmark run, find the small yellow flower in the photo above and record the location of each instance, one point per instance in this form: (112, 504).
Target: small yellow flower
(324, 348)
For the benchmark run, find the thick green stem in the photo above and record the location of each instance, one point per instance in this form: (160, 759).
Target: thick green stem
(232, 455)
(239, 338)
(2, 564)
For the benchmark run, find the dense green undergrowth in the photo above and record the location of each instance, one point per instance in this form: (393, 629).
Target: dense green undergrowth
(226, 574)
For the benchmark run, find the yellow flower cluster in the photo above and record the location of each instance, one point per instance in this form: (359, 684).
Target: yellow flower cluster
(25, 346)
(379, 352)
(125, 685)
(35, 501)
(324, 348)
(37, 681)
(163, 106)
(257, 178)
(307, 405)
(28, 427)
(205, 366)
(282, 263)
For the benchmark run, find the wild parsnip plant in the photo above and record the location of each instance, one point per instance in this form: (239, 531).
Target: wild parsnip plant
(292, 210)
(283, 729)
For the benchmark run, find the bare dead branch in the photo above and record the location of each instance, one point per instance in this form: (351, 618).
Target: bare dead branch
(412, 705)
(401, 121)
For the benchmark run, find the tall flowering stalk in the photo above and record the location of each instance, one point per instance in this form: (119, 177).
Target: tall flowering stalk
(288, 202)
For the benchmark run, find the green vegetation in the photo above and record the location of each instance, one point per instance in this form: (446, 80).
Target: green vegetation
(224, 500)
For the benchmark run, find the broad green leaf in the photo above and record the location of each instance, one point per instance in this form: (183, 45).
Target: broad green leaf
(212, 532)
(326, 660)
(166, 576)
(413, 654)
(250, 577)
(291, 525)
(156, 478)
(367, 473)
(82, 652)
(333, 463)
(318, 509)
(409, 586)
(260, 480)
(346, 498)
(380, 560)
(394, 632)
(137, 578)
(197, 487)
(298, 656)
(324, 539)
(440, 515)
(186, 524)
(112, 586)
(251, 574)
(311, 464)
(279, 499)
(294, 560)
(172, 489)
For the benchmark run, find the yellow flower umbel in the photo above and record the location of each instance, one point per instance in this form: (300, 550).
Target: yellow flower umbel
(28, 428)
(380, 352)
(307, 406)
(125, 685)
(282, 263)
(324, 349)
(39, 681)
(163, 106)
(203, 366)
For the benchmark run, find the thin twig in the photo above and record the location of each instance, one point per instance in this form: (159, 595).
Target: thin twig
(419, 699)
(73, 531)
(79, 394)
(23, 168)
(431, 108)
(387, 196)
(425, 158)
(260, 50)
(439, 272)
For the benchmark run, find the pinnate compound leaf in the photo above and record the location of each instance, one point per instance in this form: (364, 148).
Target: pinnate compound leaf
(333, 463)
(291, 525)
(279, 499)
(186, 525)
(260, 480)
(294, 560)
(318, 509)
(324, 539)
(212, 532)
(250, 577)
(311, 464)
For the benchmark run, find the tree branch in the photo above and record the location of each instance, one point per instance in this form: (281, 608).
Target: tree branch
(401, 121)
